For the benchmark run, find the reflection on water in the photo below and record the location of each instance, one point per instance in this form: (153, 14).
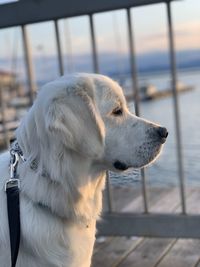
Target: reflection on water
(164, 170)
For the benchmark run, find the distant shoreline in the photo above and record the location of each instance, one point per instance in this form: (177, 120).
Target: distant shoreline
(144, 74)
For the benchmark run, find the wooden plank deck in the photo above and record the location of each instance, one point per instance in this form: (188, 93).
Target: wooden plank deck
(149, 252)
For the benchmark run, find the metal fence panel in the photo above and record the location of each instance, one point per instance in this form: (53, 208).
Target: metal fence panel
(145, 224)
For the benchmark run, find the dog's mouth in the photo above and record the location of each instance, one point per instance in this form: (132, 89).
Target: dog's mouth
(121, 166)
(163, 140)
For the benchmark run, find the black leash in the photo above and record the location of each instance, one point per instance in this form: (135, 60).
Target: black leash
(12, 188)
(14, 221)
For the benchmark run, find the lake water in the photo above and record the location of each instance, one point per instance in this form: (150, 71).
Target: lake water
(164, 170)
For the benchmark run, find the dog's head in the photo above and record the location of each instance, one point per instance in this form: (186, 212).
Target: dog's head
(130, 141)
(88, 115)
(71, 115)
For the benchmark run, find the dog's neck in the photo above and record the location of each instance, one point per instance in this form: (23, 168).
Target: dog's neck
(67, 193)
(52, 178)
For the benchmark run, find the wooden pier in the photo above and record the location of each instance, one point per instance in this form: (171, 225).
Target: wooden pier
(149, 252)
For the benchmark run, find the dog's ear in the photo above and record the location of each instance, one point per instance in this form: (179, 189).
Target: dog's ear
(75, 119)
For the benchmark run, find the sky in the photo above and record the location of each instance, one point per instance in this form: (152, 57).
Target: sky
(149, 24)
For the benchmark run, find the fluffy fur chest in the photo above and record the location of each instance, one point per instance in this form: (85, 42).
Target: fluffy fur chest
(53, 241)
(56, 241)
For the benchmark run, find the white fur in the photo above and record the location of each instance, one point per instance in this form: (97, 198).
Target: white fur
(72, 137)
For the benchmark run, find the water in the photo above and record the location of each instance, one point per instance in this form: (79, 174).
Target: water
(164, 170)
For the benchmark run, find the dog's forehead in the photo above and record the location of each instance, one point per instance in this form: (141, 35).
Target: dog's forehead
(109, 91)
(103, 89)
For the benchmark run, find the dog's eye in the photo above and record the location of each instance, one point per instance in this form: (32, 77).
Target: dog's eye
(117, 112)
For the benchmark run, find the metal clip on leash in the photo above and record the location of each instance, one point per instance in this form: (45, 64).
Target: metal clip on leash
(13, 181)
(12, 187)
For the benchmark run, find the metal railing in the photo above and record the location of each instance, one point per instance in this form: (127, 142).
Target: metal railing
(145, 224)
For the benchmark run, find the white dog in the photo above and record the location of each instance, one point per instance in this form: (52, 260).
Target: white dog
(78, 127)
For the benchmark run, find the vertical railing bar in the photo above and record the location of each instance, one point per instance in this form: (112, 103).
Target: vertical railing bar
(29, 65)
(176, 108)
(96, 70)
(58, 45)
(3, 119)
(136, 96)
(93, 43)
(144, 190)
(109, 193)
(133, 64)
(68, 44)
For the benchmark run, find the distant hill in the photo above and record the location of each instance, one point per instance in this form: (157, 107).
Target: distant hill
(151, 62)
(112, 64)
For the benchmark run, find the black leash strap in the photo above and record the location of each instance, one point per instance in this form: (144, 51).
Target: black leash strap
(12, 188)
(13, 220)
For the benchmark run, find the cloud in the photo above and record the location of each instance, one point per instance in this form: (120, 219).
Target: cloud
(187, 36)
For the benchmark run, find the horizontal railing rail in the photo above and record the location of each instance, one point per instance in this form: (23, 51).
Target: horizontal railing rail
(33, 11)
(150, 225)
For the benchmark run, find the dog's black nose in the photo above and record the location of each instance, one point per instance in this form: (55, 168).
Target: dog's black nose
(162, 131)
(120, 165)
